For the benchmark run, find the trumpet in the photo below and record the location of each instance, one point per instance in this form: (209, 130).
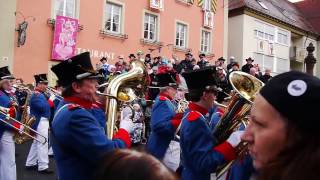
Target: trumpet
(9, 121)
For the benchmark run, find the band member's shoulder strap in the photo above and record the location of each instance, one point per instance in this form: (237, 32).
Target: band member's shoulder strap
(194, 115)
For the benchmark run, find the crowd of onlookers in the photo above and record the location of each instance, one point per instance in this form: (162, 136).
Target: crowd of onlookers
(159, 64)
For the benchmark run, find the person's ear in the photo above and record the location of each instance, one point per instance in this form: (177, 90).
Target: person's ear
(76, 87)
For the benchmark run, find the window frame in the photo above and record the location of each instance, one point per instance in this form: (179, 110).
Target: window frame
(202, 30)
(76, 13)
(186, 34)
(120, 21)
(157, 26)
(264, 35)
(283, 32)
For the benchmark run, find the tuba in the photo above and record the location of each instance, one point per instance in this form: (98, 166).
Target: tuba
(120, 89)
(245, 88)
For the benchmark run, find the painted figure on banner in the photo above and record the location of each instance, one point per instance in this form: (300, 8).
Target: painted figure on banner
(64, 38)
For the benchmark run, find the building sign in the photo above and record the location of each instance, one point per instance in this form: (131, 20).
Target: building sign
(64, 41)
(97, 54)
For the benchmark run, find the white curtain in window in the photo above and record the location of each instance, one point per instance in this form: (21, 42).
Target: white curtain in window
(65, 8)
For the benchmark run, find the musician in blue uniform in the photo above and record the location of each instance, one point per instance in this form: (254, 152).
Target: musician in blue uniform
(39, 108)
(200, 156)
(7, 146)
(163, 116)
(79, 141)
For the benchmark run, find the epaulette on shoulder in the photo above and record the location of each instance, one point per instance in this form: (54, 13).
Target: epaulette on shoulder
(193, 115)
(162, 98)
(73, 106)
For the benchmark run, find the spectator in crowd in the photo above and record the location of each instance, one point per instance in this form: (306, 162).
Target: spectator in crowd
(120, 64)
(221, 61)
(254, 72)
(223, 84)
(232, 61)
(203, 61)
(176, 64)
(186, 63)
(155, 61)
(153, 92)
(246, 68)
(132, 165)
(147, 59)
(131, 57)
(104, 66)
(267, 76)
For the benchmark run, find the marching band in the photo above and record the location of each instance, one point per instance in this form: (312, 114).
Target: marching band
(191, 137)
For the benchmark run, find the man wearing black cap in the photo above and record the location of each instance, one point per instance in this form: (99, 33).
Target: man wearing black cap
(7, 147)
(39, 108)
(283, 136)
(131, 57)
(164, 120)
(79, 141)
(200, 156)
(246, 68)
(186, 63)
(202, 62)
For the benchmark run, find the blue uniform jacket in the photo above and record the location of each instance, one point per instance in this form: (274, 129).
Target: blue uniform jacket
(242, 169)
(200, 157)
(5, 102)
(162, 127)
(78, 141)
(39, 107)
(100, 115)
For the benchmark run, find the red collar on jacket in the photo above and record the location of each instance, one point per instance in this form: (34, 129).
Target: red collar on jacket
(196, 107)
(165, 95)
(81, 102)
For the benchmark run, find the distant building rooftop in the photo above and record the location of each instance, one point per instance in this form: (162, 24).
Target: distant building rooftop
(280, 10)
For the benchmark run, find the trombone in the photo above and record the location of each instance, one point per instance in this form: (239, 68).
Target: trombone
(55, 93)
(40, 138)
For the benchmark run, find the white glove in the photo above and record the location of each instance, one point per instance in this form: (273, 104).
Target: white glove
(127, 124)
(235, 138)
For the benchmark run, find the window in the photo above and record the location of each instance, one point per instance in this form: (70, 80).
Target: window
(264, 31)
(264, 61)
(65, 8)
(150, 31)
(282, 37)
(113, 18)
(181, 35)
(283, 65)
(205, 41)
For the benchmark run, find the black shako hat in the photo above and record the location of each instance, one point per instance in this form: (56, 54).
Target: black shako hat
(74, 69)
(41, 78)
(167, 79)
(200, 79)
(296, 96)
(5, 73)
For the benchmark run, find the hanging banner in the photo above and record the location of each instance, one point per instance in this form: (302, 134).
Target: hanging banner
(64, 40)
